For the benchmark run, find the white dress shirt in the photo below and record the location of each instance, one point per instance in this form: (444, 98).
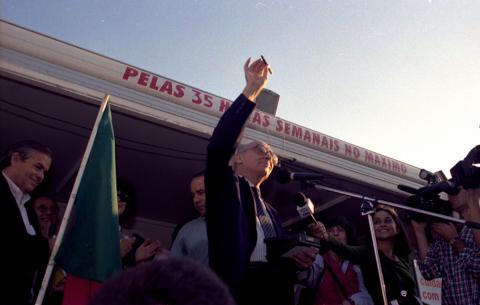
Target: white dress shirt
(21, 199)
(260, 251)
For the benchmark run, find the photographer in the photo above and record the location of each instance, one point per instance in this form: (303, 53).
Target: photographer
(454, 256)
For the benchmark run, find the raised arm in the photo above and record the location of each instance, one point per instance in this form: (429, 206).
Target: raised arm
(319, 231)
(448, 232)
(422, 241)
(227, 241)
(355, 254)
(256, 76)
(229, 131)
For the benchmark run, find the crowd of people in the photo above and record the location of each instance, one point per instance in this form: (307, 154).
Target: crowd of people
(221, 257)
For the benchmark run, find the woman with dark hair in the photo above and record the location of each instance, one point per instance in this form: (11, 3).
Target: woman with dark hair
(393, 252)
(134, 249)
(338, 281)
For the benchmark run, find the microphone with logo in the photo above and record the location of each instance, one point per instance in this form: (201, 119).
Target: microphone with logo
(304, 207)
(285, 246)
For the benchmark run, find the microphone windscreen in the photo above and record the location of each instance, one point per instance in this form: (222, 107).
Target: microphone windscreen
(283, 176)
(299, 199)
(407, 189)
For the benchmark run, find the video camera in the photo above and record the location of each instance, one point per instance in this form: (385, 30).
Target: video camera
(426, 198)
(464, 173)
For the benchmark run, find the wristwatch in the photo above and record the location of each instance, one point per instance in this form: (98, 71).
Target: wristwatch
(454, 240)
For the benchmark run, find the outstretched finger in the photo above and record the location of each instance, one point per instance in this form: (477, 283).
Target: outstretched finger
(146, 242)
(258, 65)
(245, 67)
(155, 245)
(266, 69)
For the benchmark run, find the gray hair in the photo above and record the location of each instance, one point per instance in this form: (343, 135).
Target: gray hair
(240, 149)
(199, 173)
(25, 149)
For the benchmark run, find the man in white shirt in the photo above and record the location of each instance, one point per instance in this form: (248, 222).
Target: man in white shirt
(192, 238)
(24, 254)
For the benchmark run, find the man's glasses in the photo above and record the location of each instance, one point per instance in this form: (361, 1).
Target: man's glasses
(262, 150)
(43, 209)
(123, 197)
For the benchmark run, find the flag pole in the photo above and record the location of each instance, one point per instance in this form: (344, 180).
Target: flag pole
(71, 201)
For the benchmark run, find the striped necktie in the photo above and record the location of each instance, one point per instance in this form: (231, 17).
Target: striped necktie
(267, 226)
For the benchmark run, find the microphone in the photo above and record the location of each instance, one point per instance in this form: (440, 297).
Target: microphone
(285, 176)
(304, 207)
(431, 189)
(407, 189)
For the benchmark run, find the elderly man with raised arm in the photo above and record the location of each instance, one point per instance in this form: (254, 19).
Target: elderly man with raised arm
(238, 219)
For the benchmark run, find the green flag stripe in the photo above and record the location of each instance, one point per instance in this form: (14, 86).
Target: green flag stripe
(91, 248)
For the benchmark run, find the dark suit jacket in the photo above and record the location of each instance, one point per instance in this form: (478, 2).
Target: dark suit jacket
(23, 257)
(230, 208)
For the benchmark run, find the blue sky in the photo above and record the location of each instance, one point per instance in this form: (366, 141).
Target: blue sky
(401, 78)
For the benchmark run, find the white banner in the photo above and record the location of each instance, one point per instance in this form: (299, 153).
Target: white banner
(83, 61)
(430, 291)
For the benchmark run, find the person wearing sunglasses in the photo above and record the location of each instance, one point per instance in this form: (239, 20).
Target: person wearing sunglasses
(133, 247)
(238, 219)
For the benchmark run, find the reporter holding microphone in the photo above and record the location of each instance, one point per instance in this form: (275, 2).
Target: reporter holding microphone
(337, 281)
(393, 251)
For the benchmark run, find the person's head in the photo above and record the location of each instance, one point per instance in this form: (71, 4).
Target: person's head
(127, 199)
(340, 228)
(255, 159)
(46, 210)
(459, 202)
(26, 164)
(197, 191)
(181, 281)
(387, 226)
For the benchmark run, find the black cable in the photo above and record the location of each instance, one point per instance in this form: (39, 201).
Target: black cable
(88, 129)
